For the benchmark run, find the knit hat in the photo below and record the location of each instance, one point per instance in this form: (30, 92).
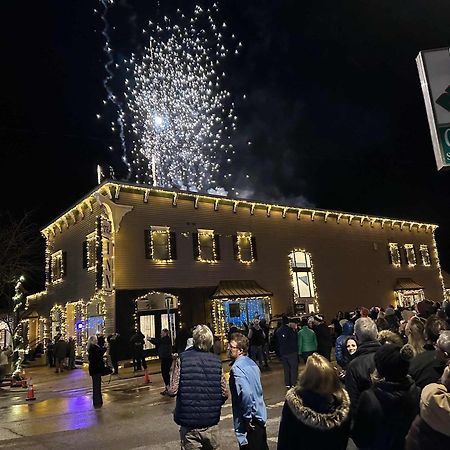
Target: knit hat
(318, 317)
(392, 361)
(389, 312)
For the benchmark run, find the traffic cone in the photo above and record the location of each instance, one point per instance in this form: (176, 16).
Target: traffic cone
(30, 392)
(146, 377)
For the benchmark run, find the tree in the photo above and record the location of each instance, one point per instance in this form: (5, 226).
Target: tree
(20, 247)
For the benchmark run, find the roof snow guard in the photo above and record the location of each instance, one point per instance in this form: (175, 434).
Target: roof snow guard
(239, 289)
(406, 284)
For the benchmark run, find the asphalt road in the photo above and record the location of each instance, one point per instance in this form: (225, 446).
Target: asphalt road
(134, 415)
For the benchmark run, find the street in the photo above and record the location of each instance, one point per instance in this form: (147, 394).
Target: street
(134, 415)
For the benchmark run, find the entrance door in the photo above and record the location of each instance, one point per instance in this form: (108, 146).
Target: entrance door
(152, 323)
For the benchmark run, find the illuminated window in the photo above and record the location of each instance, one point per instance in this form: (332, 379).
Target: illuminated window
(89, 251)
(244, 247)
(302, 274)
(410, 255)
(206, 246)
(425, 255)
(57, 266)
(160, 244)
(394, 254)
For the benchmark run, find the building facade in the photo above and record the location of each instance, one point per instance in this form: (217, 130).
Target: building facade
(129, 257)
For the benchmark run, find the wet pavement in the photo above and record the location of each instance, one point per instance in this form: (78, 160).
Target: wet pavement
(134, 414)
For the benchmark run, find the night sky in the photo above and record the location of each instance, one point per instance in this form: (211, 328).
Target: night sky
(333, 110)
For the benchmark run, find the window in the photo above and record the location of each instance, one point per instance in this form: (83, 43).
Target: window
(245, 247)
(89, 251)
(160, 244)
(302, 274)
(394, 254)
(410, 255)
(57, 266)
(206, 246)
(425, 255)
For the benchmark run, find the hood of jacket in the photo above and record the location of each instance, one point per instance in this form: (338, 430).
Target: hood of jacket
(314, 419)
(435, 407)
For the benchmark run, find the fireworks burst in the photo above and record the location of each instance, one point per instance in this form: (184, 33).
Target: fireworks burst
(180, 119)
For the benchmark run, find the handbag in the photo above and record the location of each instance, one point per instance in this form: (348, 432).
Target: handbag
(106, 369)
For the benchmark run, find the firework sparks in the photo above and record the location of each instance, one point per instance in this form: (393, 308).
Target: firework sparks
(181, 119)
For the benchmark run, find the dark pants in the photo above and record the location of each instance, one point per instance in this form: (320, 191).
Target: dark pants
(115, 363)
(306, 355)
(257, 439)
(97, 391)
(166, 364)
(290, 366)
(139, 361)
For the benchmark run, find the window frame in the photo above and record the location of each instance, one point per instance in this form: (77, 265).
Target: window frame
(249, 236)
(57, 262)
(425, 255)
(397, 260)
(307, 269)
(410, 255)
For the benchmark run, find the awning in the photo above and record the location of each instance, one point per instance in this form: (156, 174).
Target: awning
(240, 288)
(406, 284)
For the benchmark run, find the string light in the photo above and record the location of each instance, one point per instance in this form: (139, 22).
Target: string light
(244, 240)
(395, 254)
(209, 242)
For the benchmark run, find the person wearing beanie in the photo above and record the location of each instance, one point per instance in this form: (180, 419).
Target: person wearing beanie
(431, 428)
(386, 410)
(392, 319)
(324, 338)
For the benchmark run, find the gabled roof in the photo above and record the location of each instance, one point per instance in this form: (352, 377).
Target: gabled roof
(406, 284)
(240, 288)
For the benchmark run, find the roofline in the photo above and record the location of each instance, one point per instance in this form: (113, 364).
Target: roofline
(106, 185)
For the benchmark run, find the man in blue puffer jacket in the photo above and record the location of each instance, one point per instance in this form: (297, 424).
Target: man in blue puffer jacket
(201, 389)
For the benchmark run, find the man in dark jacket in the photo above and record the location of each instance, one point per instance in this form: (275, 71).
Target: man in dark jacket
(357, 377)
(137, 347)
(286, 342)
(164, 349)
(201, 389)
(324, 339)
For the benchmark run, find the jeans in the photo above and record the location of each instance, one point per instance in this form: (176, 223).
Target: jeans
(199, 438)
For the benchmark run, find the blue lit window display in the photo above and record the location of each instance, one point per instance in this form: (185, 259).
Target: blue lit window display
(238, 311)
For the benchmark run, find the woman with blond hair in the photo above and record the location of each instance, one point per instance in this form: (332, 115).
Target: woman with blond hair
(316, 412)
(414, 331)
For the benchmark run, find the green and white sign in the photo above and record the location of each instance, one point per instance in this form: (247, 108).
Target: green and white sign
(434, 73)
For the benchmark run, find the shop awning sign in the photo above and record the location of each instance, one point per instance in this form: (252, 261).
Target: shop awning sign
(434, 73)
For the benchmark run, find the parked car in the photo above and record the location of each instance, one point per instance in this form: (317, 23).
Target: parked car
(276, 322)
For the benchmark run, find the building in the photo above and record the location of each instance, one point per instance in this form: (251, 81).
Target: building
(131, 256)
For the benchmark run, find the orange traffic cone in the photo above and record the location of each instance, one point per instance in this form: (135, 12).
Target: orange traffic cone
(30, 392)
(146, 377)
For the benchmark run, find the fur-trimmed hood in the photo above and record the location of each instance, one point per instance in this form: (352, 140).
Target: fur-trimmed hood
(317, 420)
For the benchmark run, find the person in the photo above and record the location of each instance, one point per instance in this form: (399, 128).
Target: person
(389, 337)
(200, 387)
(386, 410)
(164, 349)
(324, 338)
(265, 328)
(392, 319)
(60, 353)
(428, 366)
(137, 344)
(414, 331)
(71, 353)
(256, 338)
(51, 353)
(286, 343)
(430, 429)
(316, 412)
(306, 340)
(347, 330)
(96, 366)
(113, 351)
(249, 409)
(357, 376)
(5, 366)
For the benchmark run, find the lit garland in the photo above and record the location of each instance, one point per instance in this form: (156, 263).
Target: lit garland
(241, 237)
(155, 231)
(310, 270)
(410, 255)
(58, 316)
(57, 267)
(79, 315)
(206, 234)
(425, 255)
(395, 254)
(438, 264)
(91, 240)
(400, 296)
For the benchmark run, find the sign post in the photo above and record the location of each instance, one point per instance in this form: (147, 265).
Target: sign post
(434, 73)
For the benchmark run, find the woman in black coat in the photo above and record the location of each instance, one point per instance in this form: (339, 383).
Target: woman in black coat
(96, 369)
(316, 413)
